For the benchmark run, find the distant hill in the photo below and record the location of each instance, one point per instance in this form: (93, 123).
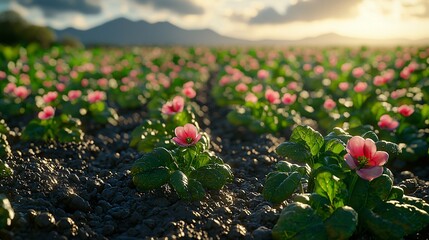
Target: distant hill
(123, 31)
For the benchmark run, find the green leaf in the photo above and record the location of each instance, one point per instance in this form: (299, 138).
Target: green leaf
(294, 151)
(299, 221)
(381, 187)
(279, 186)
(391, 148)
(6, 212)
(213, 176)
(33, 131)
(396, 193)
(284, 166)
(307, 135)
(380, 227)
(321, 205)
(370, 135)
(359, 196)
(342, 223)
(159, 157)
(335, 146)
(330, 186)
(152, 170)
(188, 189)
(338, 133)
(406, 216)
(151, 179)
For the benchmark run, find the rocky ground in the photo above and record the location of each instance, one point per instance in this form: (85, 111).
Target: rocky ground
(84, 190)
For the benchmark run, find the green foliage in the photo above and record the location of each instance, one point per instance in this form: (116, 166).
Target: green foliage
(189, 170)
(6, 212)
(280, 185)
(154, 133)
(62, 128)
(337, 202)
(299, 221)
(260, 118)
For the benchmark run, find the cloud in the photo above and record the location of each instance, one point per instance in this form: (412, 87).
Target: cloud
(307, 11)
(51, 8)
(180, 7)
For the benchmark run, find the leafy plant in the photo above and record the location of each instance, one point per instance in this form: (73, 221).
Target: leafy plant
(62, 128)
(344, 188)
(5, 152)
(260, 117)
(154, 133)
(189, 168)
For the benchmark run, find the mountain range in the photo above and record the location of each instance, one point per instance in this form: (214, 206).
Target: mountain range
(124, 32)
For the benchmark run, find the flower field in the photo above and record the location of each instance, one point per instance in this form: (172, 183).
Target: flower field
(223, 143)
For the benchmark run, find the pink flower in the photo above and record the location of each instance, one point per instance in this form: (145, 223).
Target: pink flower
(10, 87)
(50, 96)
(224, 80)
(360, 87)
(84, 82)
(96, 96)
(250, 97)
(21, 92)
(48, 112)
(241, 87)
(263, 74)
(2, 75)
(398, 93)
(363, 157)
(288, 98)
(343, 86)
(306, 67)
(358, 72)
(387, 122)
(272, 96)
(60, 87)
(332, 75)
(189, 92)
(174, 106)
(405, 110)
(329, 104)
(292, 86)
(257, 88)
(379, 80)
(346, 67)
(74, 94)
(186, 136)
(318, 69)
(102, 82)
(405, 73)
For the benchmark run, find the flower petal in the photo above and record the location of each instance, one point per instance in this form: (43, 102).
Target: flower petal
(180, 142)
(350, 161)
(379, 159)
(190, 130)
(180, 132)
(355, 146)
(369, 148)
(370, 173)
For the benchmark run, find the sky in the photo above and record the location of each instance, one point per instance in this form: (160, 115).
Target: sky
(246, 19)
